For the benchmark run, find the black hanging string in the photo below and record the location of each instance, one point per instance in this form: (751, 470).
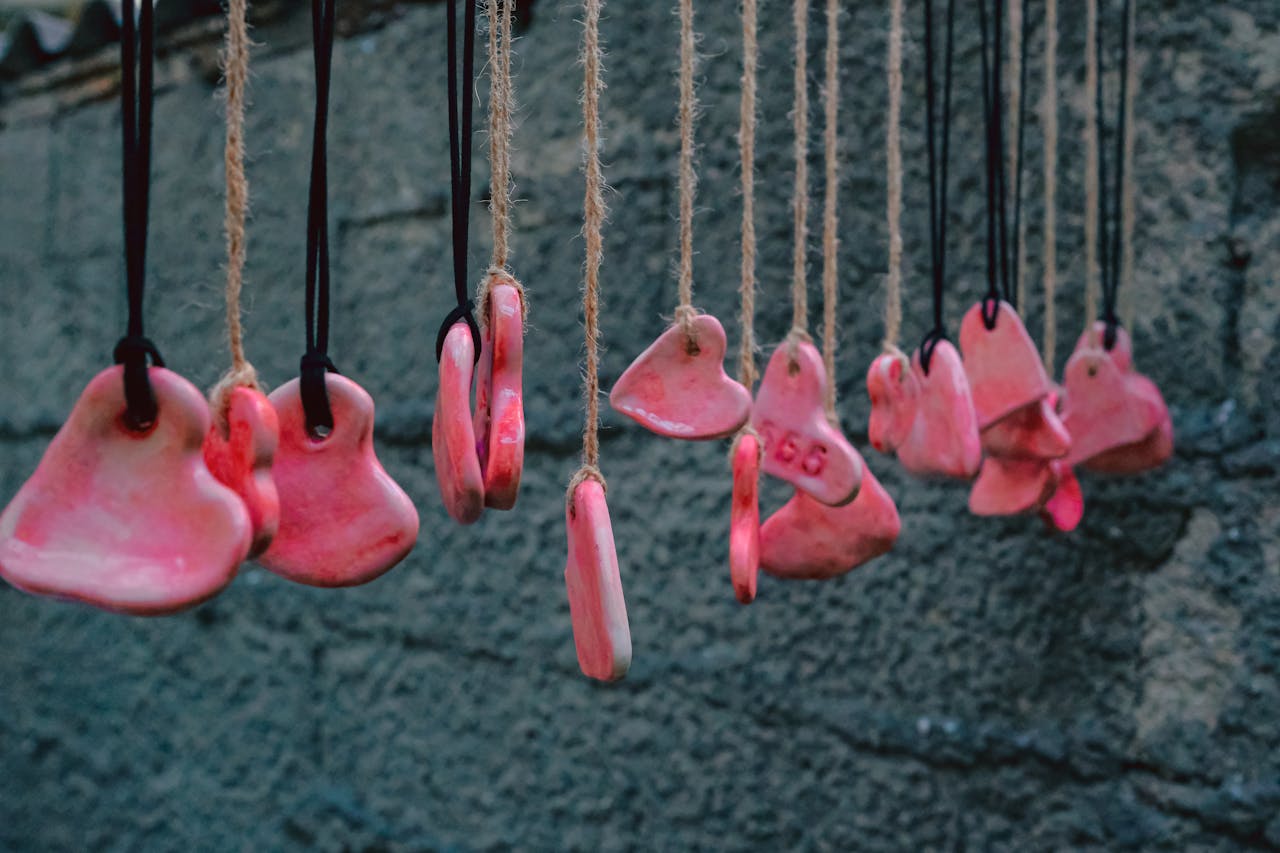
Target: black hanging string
(937, 175)
(1109, 233)
(315, 361)
(460, 124)
(136, 95)
(1013, 289)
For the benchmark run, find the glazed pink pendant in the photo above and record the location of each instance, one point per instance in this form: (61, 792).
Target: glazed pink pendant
(596, 606)
(1032, 432)
(1065, 507)
(1004, 369)
(240, 457)
(123, 520)
(800, 444)
(1115, 412)
(681, 390)
(806, 540)
(1011, 486)
(499, 416)
(927, 418)
(744, 522)
(343, 520)
(453, 436)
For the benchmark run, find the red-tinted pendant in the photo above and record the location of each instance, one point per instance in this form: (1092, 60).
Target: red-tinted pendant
(241, 456)
(807, 540)
(126, 520)
(800, 444)
(928, 419)
(1004, 369)
(744, 522)
(499, 415)
(1032, 432)
(679, 389)
(596, 606)
(343, 520)
(453, 436)
(1065, 506)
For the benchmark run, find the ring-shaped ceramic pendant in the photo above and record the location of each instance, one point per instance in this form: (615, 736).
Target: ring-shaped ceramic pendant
(240, 452)
(1004, 368)
(678, 387)
(800, 444)
(343, 520)
(744, 518)
(499, 413)
(597, 608)
(125, 520)
(453, 436)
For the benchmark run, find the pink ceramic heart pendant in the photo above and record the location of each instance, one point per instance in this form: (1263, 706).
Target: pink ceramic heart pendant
(343, 520)
(1145, 455)
(1032, 432)
(1004, 369)
(453, 437)
(681, 390)
(240, 455)
(807, 540)
(744, 521)
(1011, 486)
(894, 390)
(124, 520)
(596, 606)
(800, 444)
(499, 416)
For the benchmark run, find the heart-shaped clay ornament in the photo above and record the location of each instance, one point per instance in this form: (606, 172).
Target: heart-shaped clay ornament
(239, 453)
(1032, 432)
(807, 540)
(130, 521)
(596, 606)
(343, 520)
(678, 387)
(800, 444)
(1011, 486)
(1149, 453)
(744, 522)
(1065, 506)
(1004, 369)
(894, 390)
(499, 415)
(453, 436)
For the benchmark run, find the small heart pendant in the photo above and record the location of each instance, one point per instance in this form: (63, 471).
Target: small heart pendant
(241, 455)
(453, 436)
(596, 605)
(499, 414)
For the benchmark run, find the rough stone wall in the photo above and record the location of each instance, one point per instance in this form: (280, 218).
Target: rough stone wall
(985, 686)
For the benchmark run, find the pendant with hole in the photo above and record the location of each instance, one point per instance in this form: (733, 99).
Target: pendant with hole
(239, 452)
(597, 608)
(453, 435)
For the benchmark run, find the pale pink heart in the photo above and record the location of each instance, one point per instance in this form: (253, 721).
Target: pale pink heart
(343, 520)
(499, 412)
(240, 455)
(1032, 432)
(801, 445)
(1011, 486)
(125, 520)
(679, 389)
(894, 391)
(1004, 368)
(596, 605)
(453, 436)
(807, 540)
(944, 437)
(744, 521)
(1065, 506)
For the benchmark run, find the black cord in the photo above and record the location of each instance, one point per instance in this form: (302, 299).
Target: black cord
(1109, 232)
(460, 167)
(137, 53)
(990, 101)
(937, 175)
(315, 361)
(1022, 134)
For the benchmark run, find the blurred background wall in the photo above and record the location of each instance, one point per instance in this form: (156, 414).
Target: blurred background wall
(985, 686)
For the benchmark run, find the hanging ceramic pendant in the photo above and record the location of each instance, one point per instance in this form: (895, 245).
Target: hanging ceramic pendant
(744, 521)
(343, 520)
(678, 387)
(1011, 486)
(126, 520)
(1065, 507)
(453, 436)
(1004, 368)
(800, 444)
(1032, 432)
(240, 452)
(927, 418)
(807, 540)
(499, 415)
(596, 606)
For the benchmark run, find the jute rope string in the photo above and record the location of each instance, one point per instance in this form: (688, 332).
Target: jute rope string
(1092, 272)
(235, 63)
(593, 222)
(1014, 156)
(686, 313)
(1129, 187)
(830, 216)
(893, 176)
(800, 204)
(1049, 108)
(747, 151)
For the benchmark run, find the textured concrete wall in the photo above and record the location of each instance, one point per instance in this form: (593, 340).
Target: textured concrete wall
(985, 686)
